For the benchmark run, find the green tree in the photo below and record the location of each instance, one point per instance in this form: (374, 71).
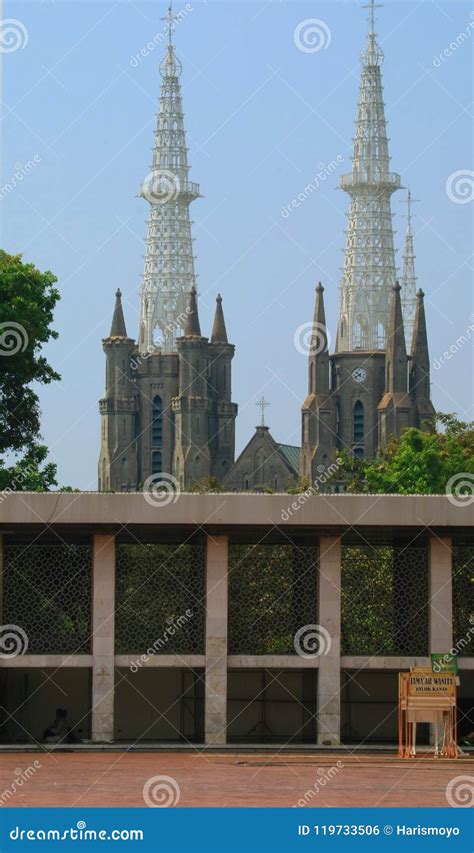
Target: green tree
(27, 301)
(417, 462)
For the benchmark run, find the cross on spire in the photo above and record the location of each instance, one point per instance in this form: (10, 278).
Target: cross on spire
(372, 6)
(409, 201)
(262, 404)
(169, 18)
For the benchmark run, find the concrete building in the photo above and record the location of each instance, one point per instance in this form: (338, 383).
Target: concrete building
(228, 618)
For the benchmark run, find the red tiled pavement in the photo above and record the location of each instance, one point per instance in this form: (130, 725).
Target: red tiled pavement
(117, 779)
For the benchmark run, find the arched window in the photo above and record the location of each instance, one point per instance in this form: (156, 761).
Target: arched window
(157, 422)
(156, 462)
(358, 421)
(275, 484)
(246, 482)
(360, 333)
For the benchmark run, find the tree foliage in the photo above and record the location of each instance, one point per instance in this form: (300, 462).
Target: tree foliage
(27, 301)
(416, 462)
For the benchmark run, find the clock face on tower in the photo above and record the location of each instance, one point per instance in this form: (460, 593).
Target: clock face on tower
(359, 374)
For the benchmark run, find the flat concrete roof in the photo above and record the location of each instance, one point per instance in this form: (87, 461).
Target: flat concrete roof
(211, 511)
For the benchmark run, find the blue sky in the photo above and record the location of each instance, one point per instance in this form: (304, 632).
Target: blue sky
(262, 117)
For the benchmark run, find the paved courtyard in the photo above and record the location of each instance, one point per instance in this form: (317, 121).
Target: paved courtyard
(230, 779)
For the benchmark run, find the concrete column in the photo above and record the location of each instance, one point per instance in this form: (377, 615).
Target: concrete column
(103, 624)
(216, 640)
(329, 673)
(440, 594)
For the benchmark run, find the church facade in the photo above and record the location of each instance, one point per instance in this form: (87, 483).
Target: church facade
(168, 411)
(167, 414)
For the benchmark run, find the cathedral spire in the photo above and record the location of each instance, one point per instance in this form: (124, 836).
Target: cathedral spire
(396, 356)
(420, 366)
(169, 261)
(369, 262)
(408, 278)
(118, 329)
(219, 331)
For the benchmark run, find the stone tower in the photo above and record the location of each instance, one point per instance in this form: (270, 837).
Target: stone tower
(167, 411)
(369, 389)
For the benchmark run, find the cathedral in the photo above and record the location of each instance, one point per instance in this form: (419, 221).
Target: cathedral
(168, 409)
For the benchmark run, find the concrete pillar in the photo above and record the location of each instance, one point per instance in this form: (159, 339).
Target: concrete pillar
(103, 623)
(329, 673)
(440, 594)
(216, 640)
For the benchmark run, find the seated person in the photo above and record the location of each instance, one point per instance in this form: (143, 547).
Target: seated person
(59, 731)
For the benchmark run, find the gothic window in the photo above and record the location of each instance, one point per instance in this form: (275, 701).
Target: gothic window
(156, 462)
(124, 473)
(360, 333)
(157, 422)
(275, 483)
(380, 335)
(358, 421)
(260, 460)
(246, 482)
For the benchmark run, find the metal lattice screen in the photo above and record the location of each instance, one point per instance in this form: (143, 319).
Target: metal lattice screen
(48, 594)
(463, 599)
(384, 600)
(160, 599)
(272, 594)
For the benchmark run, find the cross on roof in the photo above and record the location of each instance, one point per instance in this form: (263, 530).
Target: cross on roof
(262, 404)
(372, 6)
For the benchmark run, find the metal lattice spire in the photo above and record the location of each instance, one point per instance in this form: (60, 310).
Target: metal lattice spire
(169, 262)
(408, 277)
(369, 271)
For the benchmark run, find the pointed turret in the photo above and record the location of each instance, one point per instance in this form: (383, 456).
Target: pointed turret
(408, 278)
(423, 409)
(219, 331)
(318, 412)
(396, 355)
(318, 380)
(192, 327)
(394, 408)
(118, 329)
